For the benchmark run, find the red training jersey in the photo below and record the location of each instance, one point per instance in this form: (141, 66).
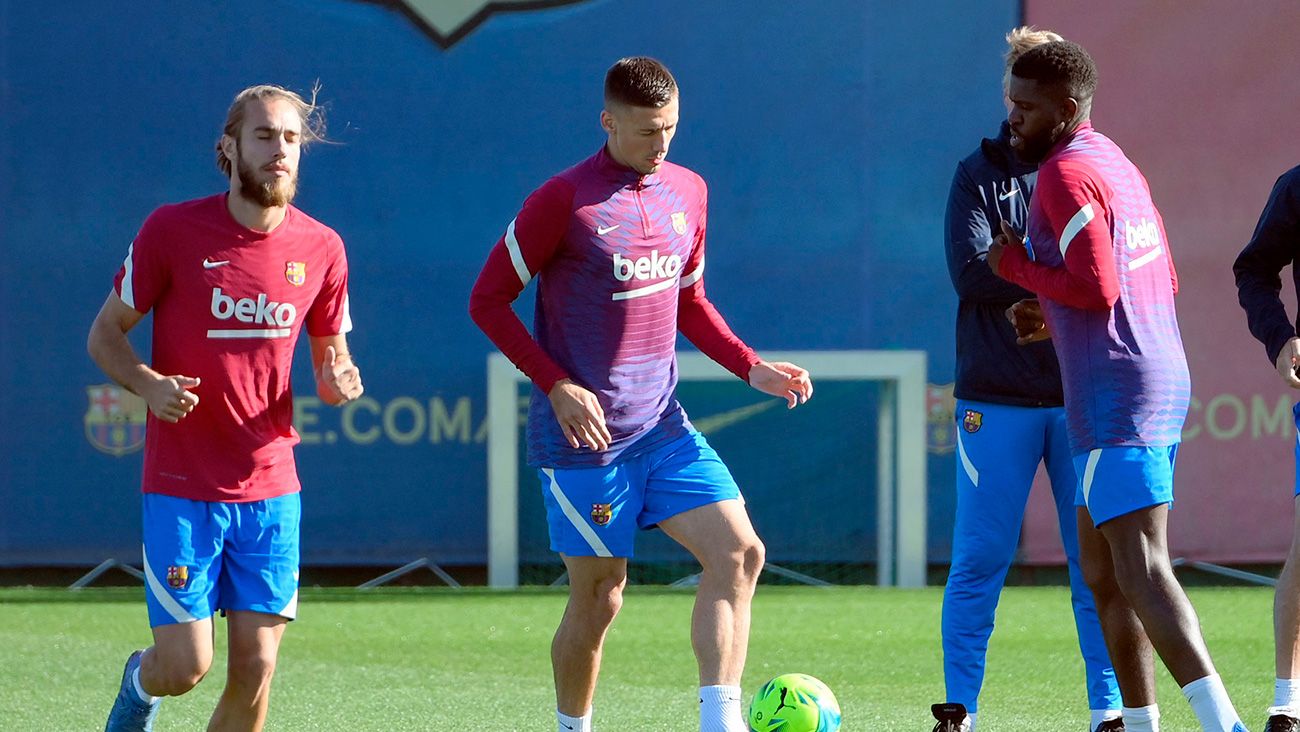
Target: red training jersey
(228, 305)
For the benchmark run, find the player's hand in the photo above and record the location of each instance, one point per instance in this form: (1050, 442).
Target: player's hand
(170, 398)
(998, 249)
(1287, 361)
(1027, 318)
(780, 379)
(340, 375)
(580, 416)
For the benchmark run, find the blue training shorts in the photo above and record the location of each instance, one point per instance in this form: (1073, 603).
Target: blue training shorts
(597, 511)
(205, 556)
(1114, 481)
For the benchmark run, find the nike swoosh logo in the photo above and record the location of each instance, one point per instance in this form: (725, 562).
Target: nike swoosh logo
(209, 264)
(603, 230)
(566, 726)
(1008, 194)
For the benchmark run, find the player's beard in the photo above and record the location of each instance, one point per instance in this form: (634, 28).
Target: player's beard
(272, 193)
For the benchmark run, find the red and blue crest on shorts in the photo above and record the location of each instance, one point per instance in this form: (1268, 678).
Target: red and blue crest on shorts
(601, 513)
(178, 577)
(972, 421)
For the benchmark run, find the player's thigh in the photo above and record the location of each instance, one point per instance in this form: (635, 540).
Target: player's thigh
(595, 576)
(999, 448)
(717, 534)
(183, 561)
(684, 475)
(261, 557)
(184, 648)
(1114, 481)
(1095, 560)
(592, 512)
(254, 638)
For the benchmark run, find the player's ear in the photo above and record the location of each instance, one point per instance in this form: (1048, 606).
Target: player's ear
(607, 121)
(1070, 107)
(229, 148)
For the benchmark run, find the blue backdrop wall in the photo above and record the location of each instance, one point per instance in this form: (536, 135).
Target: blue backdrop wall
(827, 131)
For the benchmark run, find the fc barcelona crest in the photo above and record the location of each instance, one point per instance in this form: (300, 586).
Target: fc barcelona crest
(679, 222)
(601, 513)
(296, 273)
(972, 421)
(115, 419)
(178, 577)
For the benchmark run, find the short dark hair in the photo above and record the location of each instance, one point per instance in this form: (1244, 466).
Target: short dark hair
(1060, 62)
(639, 81)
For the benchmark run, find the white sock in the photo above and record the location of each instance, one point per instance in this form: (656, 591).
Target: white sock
(1102, 715)
(1286, 698)
(145, 696)
(720, 709)
(970, 722)
(1142, 719)
(573, 724)
(1209, 699)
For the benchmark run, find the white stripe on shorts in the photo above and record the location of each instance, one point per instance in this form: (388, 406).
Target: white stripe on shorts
(1089, 471)
(173, 608)
(575, 518)
(966, 464)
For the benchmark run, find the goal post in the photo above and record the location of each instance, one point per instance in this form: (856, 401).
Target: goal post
(900, 450)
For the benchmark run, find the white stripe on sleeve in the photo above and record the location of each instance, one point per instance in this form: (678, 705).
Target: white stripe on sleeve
(1077, 222)
(128, 289)
(516, 255)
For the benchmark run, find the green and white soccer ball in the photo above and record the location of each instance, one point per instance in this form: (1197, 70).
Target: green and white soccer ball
(794, 703)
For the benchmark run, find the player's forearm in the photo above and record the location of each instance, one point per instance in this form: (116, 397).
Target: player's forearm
(1059, 284)
(113, 354)
(704, 327)
(500, 324)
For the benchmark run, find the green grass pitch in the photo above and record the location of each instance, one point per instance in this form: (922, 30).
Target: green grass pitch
(419, 659)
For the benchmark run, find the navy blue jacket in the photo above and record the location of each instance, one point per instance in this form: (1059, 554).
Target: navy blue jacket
(1259, 266)
(991, 185)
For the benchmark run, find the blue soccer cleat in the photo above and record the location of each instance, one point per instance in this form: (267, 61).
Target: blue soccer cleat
(129, 713)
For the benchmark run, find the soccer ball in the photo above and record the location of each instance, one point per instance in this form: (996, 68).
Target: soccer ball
(794, 703)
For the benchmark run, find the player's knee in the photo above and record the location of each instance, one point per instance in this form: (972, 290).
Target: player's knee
(752, 557)
(1099, 576)
(609, 598)
(177, 676)
(252, 670)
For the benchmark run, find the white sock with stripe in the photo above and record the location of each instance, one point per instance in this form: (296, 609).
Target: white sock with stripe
(1286, 698)
(1142, 719)
(573, 724)
(145, 696)
(720, 709)
(1209, 699)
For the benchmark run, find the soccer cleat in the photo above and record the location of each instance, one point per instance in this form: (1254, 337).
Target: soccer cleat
(1111, 725)
(1282, 723)
(952, 717)
(129, 713)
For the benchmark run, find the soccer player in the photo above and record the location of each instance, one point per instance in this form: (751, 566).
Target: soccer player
(231, 280)
(1101, 268)
(1274, 246)
(616, 244)
(1010, 418)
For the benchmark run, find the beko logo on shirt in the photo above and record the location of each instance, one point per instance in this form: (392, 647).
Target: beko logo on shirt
(1142, 235)
(653, 267)
(262, 311)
